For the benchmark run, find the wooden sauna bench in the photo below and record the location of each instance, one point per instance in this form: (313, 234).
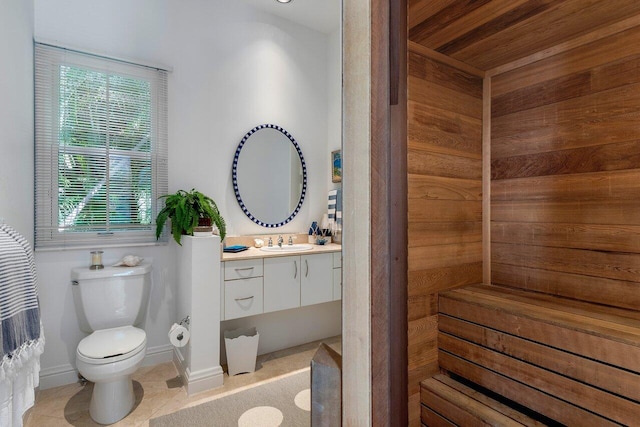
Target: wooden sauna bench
(575, 362)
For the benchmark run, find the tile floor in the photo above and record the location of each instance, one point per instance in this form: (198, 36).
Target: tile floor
(159, 390)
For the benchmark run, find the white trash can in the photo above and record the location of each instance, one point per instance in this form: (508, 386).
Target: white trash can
(242, 350)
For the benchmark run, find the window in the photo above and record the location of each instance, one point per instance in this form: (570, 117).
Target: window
(101, 149)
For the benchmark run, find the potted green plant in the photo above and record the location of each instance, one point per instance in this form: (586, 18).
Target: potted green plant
(188, 210)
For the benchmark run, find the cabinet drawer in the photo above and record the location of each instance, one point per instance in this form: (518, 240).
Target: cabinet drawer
(337, 259)
(242, 297)
(242, 269)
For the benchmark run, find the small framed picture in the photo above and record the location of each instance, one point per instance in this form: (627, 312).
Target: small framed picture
(336, 166)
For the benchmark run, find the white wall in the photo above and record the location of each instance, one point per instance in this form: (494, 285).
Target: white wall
(334, 74)
(233, 68)
(236, 68)
(16, 115)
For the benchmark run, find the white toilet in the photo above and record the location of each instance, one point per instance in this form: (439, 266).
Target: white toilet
(109, 302)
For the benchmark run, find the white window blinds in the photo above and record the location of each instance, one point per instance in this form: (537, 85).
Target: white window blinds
(101, 149)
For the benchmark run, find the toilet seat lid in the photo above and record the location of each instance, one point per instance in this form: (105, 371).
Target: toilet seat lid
(107, 343)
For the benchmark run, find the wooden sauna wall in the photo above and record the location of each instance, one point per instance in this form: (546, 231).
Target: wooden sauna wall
(565, 170)
(444, 201)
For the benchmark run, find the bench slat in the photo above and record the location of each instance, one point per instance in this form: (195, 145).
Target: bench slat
(430, 418)
(618, 315)
(549, 327)
(485, 400)
(600, 320)
(460, 408)
(572, 392)
(460, 405)
(525, 395)
(610, 378)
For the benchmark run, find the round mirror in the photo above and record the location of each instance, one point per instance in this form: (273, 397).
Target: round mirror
(269, 176)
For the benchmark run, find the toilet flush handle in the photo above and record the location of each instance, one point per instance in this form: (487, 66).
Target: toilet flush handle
(74, 282)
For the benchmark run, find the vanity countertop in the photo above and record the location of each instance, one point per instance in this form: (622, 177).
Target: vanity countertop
(257, 253)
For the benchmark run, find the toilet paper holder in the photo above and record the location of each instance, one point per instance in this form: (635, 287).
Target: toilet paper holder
(184, 322)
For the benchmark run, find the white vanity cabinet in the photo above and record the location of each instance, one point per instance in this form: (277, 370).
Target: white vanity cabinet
(260, 283)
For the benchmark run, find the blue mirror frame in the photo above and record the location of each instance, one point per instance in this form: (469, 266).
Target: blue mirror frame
(235, 176)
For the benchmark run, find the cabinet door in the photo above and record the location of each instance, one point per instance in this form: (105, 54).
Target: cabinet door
(337, 284)
(281, 283)
(316, 284)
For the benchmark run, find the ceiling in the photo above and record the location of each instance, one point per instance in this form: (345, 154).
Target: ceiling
(319, 15)
(490, 33)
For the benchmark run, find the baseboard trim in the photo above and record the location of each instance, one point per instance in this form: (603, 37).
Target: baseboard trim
(198, 381)
(58, 376)
(157, 355)
(68, 374)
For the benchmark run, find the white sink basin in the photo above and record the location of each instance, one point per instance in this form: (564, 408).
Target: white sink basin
(287, 248)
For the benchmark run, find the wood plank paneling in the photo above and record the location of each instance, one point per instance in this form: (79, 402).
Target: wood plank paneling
(440, 96)
(444, 75)
(428, 162)
(588, 288)
(419, 10)
(603, 186)
(490, 33)
(565, 20)
(566, 173)
(443, 233)
(607, 76)
(517, 13)
(609, 265)
(607, 157)
(443, 19)
(429, 187)
(444, 211)
(596, 237)
(595, 119)
(585, 57)
(441, 131)
(444, 199)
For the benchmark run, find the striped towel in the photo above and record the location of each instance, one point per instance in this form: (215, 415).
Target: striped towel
(19, 309)
(335, 208)
(20, 327)
(339, 209)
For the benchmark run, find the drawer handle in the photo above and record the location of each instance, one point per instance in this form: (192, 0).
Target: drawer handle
(241, 271)
(244, 299)
(295, 275)
(306, 274)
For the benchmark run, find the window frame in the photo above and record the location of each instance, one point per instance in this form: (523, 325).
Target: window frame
(48, 234)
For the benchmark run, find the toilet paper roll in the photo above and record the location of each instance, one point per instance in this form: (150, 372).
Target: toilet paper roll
(179, 335)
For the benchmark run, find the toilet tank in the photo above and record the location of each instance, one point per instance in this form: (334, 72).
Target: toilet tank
(111, 297)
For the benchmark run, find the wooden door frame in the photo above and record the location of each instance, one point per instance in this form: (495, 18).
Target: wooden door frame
(375, 213)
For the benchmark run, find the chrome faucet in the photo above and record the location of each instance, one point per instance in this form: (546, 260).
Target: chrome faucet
(280, 241)
(290, 241)
(270, 244)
